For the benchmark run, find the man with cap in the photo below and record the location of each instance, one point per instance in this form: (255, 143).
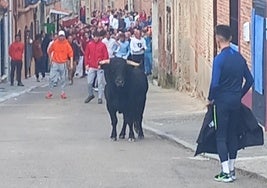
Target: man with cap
(60, 52)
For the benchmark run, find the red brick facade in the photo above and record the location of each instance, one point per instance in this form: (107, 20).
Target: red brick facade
(245, 16)
(223, 17)
(187, 66)
(223, 12)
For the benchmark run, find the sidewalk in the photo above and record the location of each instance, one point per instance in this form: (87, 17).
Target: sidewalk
(171, 115)
(178, 117)
(8, 92)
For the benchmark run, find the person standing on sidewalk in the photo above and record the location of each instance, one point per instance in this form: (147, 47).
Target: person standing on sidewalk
(148, 53)
(95, 51)
(226, 91)
(38, 55)
(16, 50)
(61, 53)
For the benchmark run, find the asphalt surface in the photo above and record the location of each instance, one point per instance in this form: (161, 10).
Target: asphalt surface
(65, 143)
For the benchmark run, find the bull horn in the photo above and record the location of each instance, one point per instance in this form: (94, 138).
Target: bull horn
(133, 63)
(106, 61)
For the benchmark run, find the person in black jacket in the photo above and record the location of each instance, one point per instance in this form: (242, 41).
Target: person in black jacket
(76, 56)
(226, 91)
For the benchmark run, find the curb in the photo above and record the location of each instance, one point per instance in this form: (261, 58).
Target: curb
(17, 94)
(192, 148)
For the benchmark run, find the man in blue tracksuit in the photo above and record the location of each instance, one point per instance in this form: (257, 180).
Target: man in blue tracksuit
(226, 92)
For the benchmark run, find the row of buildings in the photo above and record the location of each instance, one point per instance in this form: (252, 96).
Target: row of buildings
(29, 17)
(184, 45)
(130, 5)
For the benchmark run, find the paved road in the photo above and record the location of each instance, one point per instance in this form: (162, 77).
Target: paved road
(64, 144)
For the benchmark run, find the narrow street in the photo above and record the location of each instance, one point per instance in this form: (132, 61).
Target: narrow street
(65, 144)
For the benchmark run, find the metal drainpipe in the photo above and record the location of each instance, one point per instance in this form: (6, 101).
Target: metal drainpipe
(8, 30)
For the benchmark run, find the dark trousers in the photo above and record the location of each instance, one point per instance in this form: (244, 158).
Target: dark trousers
(15, 65)
(226, 132)
(39, 67)
(84, 69)
(139, 59)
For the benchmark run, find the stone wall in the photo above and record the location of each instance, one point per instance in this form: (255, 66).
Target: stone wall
(188, 65)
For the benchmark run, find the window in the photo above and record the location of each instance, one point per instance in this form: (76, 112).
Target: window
(234, 20)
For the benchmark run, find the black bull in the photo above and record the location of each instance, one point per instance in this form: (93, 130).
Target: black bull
(125, 92)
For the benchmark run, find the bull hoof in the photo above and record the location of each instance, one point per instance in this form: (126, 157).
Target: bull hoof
(136, 129)
(113, 139)
(141, 137)
(131, 140)
(122, 137)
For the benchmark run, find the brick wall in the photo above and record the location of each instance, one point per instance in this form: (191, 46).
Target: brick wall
(223, 12)
(245, 16)
(140, 5)
(192, 54)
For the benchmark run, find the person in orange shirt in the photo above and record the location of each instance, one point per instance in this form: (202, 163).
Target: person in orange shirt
(16, 50)
(60, 52)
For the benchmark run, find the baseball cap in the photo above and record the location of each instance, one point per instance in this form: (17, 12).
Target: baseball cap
(61, 32)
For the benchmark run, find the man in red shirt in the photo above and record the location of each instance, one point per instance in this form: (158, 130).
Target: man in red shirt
(95, 51)
(15, 51)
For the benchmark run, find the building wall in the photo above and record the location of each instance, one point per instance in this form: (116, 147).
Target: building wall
(155, 36)
(245, 16)
(24, 20)
(223, 12)
(223, 17)
(186, 63)
(72, 5)
(140, 5)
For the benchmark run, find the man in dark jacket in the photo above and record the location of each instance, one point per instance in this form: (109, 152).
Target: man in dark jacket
(226, 92)
(38, 57)
(76, 56)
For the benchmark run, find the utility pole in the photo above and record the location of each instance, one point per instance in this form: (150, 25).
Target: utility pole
(8, 30)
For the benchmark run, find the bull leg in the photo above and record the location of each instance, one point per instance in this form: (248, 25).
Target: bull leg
(136, 127)
(123, 130)
(131, 132)
(140, 132)
(114, 121)
(140, 128)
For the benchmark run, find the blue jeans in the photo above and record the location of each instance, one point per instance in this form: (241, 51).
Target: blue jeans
(58, 70)
(92, 72)
(148, 62)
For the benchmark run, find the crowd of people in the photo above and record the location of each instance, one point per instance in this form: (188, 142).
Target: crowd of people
(113, 33)
(126, 35)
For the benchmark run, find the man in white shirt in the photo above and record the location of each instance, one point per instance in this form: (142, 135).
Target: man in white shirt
(115, 23)
(110, 44)
(138, 47)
